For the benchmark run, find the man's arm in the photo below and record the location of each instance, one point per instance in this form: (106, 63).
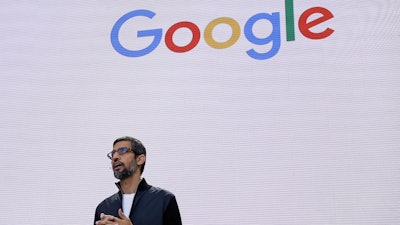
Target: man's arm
(96, 216)
(172, 215)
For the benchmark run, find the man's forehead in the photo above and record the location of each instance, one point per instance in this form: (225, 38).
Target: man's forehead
(121, 144)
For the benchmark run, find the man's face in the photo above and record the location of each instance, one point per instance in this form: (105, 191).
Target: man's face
(123, 165)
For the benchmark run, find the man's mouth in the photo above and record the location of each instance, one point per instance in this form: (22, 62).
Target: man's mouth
(118, 166)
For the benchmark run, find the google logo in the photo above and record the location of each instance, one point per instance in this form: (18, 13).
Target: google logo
(274, 38)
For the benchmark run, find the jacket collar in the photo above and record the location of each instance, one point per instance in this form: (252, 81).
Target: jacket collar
(143, 186)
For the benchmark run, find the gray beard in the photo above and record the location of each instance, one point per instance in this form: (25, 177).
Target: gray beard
(125, 173)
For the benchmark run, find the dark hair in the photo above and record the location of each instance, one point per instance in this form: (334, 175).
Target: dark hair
(136, 146)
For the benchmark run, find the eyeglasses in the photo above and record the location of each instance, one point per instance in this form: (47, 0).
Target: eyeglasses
(120, 151)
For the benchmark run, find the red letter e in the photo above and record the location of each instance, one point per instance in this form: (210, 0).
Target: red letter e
(305, 27)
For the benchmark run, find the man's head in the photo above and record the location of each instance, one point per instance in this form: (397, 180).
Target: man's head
(128, 155)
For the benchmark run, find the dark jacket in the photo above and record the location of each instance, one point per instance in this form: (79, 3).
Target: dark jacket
(151, 206)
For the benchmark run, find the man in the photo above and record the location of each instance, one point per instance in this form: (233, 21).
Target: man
(136, 202)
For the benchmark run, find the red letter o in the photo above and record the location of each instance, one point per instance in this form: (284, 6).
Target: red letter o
(195, 39)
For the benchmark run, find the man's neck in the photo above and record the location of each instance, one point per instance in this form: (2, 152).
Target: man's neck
(130, 184)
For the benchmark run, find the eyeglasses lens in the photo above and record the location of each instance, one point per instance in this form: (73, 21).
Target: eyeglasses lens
(120, 151)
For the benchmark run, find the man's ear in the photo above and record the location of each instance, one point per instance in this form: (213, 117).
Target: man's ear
(140, 159)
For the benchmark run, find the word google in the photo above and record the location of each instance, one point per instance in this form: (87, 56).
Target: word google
(274, 37)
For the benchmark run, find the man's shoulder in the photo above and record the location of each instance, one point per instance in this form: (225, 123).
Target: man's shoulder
(154, 192)
(115, 198)
(156, 198)
(150, 189)
(160, 191)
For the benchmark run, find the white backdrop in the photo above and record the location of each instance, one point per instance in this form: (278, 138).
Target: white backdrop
(309, 136)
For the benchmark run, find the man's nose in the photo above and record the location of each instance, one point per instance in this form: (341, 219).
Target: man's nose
(116, 157)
